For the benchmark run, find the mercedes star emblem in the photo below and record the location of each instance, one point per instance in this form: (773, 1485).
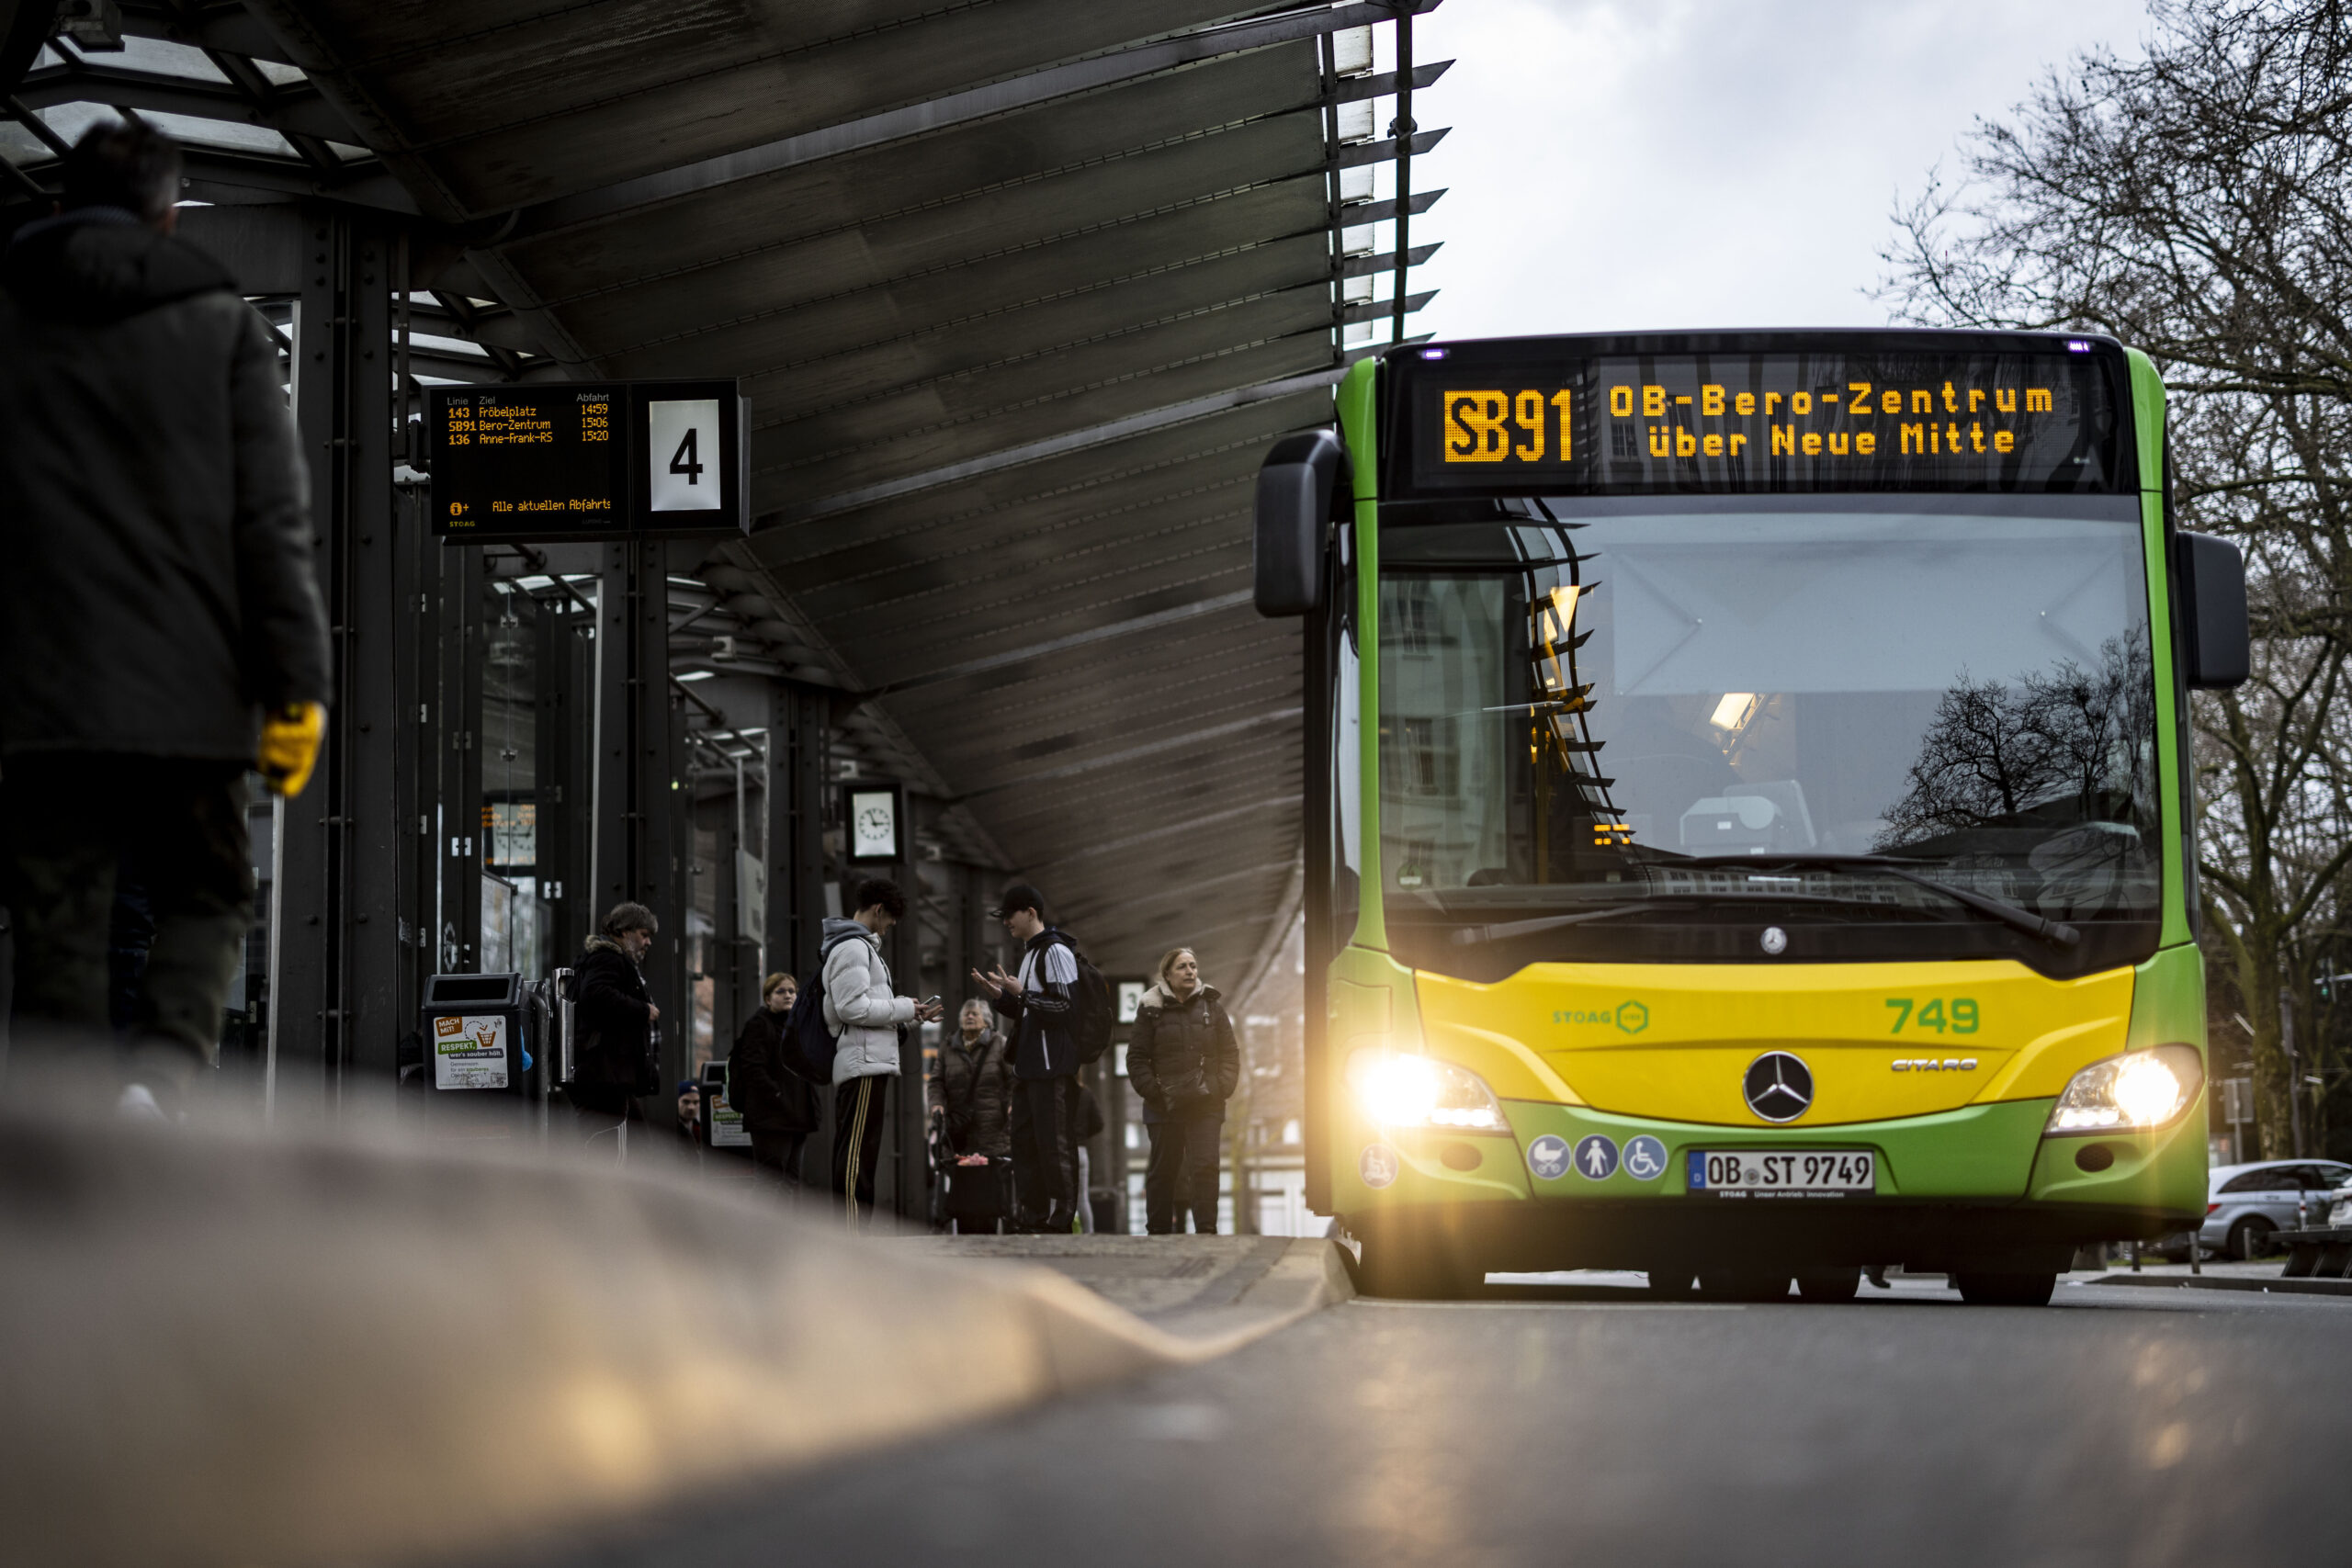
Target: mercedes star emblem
(1778, 1087)
(1775, 941)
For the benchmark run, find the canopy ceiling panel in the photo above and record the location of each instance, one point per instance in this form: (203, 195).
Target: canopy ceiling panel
(874, 587)
(1030, 601)
(816, 316)
(1044, 743)
(1217, 652)
(534, 101)
(873, 340)
(861, 189)
(958, 411)
(1009, 498)
(904, 443)
(1135, 490)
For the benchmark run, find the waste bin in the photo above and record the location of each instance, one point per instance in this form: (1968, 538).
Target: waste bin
(474, 1033)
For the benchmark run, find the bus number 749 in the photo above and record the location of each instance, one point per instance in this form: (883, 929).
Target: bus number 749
(1958, 1015)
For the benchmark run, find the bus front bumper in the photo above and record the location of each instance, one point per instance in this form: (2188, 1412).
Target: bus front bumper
(1968, 1188)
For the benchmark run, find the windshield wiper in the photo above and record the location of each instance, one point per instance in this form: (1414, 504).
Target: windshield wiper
(2056, 933)
(1468, 936)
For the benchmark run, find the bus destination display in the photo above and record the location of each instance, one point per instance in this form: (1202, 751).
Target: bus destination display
(583, 462)
(1506, 419)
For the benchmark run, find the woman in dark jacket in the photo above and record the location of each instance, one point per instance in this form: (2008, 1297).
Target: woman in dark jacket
(613, 1016)
(973, 1086)
(780, 1107)
(1185, 1064)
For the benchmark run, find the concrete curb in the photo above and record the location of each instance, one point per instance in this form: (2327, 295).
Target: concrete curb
(1310, 1277)
(222, 1347)
(1215, 1291)
(2223, 1283)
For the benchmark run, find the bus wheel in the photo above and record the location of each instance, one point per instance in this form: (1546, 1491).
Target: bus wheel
(1828, 1284)
(2006, 1289)
(1743, 1285)
(1414, 1269)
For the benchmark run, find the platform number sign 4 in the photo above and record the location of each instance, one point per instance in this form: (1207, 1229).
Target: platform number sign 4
(682, 444)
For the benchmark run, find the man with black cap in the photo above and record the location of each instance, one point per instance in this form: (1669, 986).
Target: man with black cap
(1039, 999)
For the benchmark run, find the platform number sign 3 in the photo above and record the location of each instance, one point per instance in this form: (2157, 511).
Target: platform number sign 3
(682, 443)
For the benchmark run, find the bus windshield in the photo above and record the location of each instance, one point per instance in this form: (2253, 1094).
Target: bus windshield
(1684, 712)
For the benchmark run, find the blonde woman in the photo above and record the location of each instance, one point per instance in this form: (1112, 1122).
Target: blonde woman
(780, 1108)
(1184, 1063)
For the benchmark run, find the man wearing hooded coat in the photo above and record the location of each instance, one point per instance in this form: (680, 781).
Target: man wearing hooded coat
(160, 627)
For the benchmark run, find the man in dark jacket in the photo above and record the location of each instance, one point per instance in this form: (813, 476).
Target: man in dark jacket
(1040, 999)
(1183, 1064)
(780, 1108)
(613, 1055)
(973, 1086)
(161, 629)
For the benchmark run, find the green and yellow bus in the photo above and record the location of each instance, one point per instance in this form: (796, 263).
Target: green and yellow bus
(1749, 817)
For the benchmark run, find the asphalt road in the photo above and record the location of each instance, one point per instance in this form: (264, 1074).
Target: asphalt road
(2117, 1425)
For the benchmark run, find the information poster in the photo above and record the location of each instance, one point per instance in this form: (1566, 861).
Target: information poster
(726, 1122)
(470, 1052)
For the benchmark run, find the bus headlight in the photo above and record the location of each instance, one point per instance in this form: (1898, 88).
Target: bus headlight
(2133, 1092)
(1397, 1091)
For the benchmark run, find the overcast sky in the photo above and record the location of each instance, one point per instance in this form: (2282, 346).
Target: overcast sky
(1619, 165)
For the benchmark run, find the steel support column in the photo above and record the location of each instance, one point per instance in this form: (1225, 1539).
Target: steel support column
(639, 817)
(906, 943)
(566, 674)
(459, 842)
(338, 995)
(795, 800)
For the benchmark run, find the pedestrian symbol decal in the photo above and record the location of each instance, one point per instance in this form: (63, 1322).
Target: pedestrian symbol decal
(1645, 1159)
(1596, 1157)
(1548, 1157)
(1378, 1165)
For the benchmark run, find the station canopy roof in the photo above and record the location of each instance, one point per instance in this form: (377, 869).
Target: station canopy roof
(1019, 291)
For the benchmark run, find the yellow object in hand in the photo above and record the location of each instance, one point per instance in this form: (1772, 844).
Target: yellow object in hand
(289, 745)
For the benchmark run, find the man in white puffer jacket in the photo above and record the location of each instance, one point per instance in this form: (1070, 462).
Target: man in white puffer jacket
(865, 1018)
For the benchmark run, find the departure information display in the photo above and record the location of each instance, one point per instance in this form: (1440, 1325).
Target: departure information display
(586, 461)
(1535, 416)
(529, 460)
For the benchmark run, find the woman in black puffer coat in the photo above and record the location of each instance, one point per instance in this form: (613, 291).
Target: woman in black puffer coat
(780, 1108)
(1185, 1064)
(615, 1056)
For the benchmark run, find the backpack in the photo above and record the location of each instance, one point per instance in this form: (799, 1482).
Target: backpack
(1090, 1011)
(809, 1045)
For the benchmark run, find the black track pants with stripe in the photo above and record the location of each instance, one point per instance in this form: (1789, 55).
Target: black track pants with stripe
(860, 1108)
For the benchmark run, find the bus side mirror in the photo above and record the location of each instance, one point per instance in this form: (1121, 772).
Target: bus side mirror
(2215, 649)
(1297, 488)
